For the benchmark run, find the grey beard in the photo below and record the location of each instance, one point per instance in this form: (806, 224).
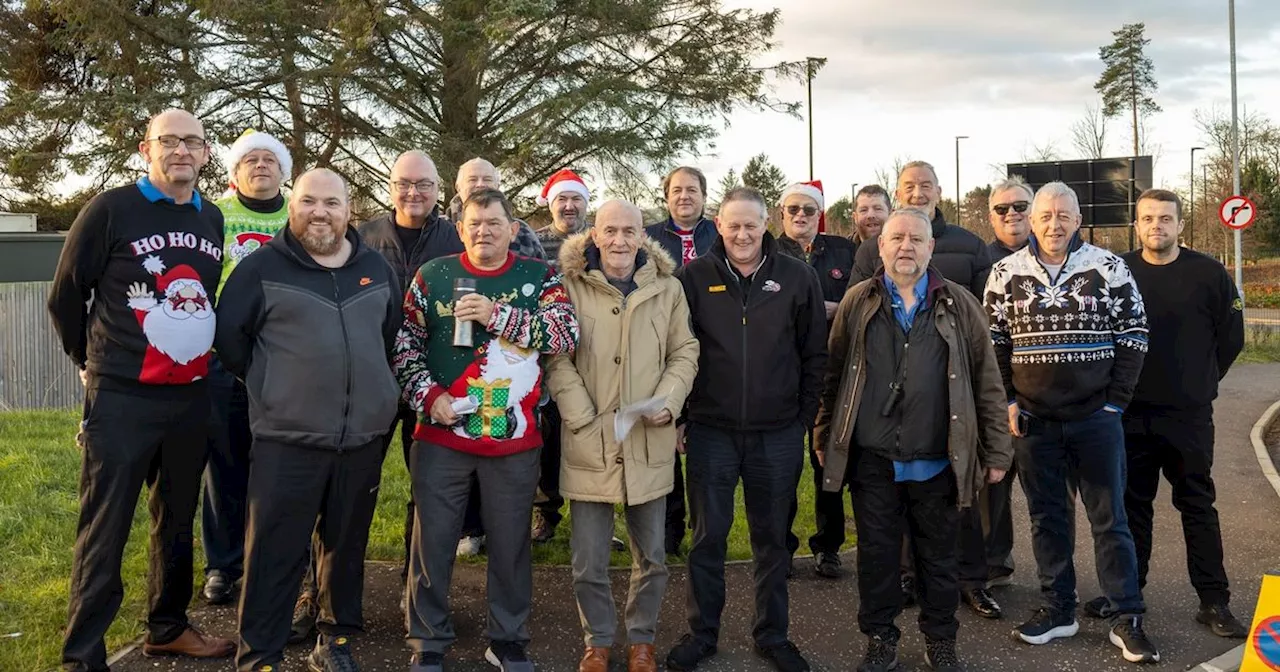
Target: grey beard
(320, 244)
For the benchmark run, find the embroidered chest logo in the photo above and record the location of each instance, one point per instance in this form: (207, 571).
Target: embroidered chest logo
(771, 286)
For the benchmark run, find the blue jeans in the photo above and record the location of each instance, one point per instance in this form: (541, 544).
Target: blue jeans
(1090, 452)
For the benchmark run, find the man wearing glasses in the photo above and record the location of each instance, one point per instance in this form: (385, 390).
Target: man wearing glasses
(413, 233)
(145, 259)
(803, 223)
(1010, 201)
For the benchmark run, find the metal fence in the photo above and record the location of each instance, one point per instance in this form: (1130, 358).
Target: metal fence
(34, 372)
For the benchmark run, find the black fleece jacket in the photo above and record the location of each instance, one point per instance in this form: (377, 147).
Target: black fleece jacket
(958, 254)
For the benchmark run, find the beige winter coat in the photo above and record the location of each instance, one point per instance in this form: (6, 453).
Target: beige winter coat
(629, 350)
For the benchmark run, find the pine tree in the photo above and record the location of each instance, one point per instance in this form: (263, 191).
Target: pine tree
(1127, 82)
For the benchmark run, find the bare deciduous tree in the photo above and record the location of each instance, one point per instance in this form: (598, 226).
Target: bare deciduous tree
(1089, 134)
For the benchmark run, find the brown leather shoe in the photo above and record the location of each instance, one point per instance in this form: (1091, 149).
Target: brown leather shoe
(641, 659)
(193, 644)
(595, 659)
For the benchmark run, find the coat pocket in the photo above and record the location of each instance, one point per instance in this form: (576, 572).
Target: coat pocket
(583, 449)
(660, 444)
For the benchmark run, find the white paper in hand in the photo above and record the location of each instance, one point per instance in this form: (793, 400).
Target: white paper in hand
(627, 416)
(464, 405)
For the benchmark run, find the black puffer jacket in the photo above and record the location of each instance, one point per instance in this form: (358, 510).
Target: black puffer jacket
(958, 254)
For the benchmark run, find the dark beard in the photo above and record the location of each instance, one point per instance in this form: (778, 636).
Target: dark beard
(321, 245)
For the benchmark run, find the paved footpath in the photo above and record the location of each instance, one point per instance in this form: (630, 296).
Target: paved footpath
(823, 612)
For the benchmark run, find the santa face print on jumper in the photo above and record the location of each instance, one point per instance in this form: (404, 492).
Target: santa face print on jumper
(173, 308)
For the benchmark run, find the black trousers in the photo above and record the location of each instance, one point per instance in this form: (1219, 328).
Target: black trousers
(767, 463)
(548, 501)
(676, 510)
(880, 506)
(226, 478)
(995, 506)
(1179, 445)
(289, 488)
(828, 514)
(155, 437)
(971, 551)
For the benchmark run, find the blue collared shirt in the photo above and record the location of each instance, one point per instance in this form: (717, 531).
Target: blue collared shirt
(914, 470)
(151, 193)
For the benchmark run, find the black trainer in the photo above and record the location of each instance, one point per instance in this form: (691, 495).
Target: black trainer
(881, 656)
(1128, 635)
(1221, 621)
(1099, 607)
(688, 652)
(427, 661)
(940, 655)
(785, 657)
(332, 654)
(1046, 626)
(508, 657)
(827, 564)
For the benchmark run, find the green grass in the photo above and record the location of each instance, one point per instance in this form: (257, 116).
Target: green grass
(1260, 346)
(38, 509)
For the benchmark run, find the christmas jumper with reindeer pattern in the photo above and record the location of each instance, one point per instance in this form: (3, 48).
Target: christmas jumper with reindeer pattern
(532, 316)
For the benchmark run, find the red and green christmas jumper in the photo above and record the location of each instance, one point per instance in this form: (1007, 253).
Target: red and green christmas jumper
(532, 316)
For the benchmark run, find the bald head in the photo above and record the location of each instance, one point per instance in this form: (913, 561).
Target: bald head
(174, 169)
(618, 232)
(319, 211)
(475, 175)
(415, 187)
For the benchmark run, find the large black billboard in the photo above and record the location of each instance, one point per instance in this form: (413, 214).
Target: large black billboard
(1108, 188)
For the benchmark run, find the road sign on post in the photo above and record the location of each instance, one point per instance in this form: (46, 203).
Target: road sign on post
(1237, 212)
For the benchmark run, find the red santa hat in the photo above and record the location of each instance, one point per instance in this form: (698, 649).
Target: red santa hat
(563, 180)
(812, 190)
(179, 272)
(252, 140)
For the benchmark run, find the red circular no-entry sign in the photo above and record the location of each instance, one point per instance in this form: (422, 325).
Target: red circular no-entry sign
(1237, 212)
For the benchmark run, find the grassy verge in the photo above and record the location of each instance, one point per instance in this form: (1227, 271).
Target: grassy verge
(39, 506)
(1261, 345)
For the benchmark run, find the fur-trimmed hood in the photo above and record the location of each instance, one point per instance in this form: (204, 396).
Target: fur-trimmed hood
(573, 257)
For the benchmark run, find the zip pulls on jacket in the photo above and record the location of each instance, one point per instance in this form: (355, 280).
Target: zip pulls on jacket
(745, 283)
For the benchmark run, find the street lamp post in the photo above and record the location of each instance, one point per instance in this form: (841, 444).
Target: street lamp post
(808, 70)
(1235, 141)
(958, 139)
(1191, 234)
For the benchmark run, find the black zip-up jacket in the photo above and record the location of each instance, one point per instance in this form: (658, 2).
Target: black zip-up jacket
(704, 236)
(958, 254)
(312, 344)
(831, 257)
(439, 239)
(763, 341)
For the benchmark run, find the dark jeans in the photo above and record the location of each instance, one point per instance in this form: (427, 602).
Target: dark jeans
(828, 514)
(157, 438)
(1179, 444)
(226, 478)
(767, 464)
(548, 501)
(290, 487)
(880, 505)
(994, 506)
(1091, 452)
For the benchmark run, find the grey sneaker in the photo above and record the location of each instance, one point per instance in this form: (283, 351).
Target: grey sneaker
(508, 657)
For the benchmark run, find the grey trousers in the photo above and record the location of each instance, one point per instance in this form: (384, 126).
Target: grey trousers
(441, 486)
(591, 535)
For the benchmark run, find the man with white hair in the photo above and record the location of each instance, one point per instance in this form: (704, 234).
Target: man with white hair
(320, 310)
(1008, 207)
(131, 304)
(479, 173)
(252, 215)
(1070, 333)
(913, 412)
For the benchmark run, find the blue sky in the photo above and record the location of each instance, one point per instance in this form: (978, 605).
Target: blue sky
(903, 79)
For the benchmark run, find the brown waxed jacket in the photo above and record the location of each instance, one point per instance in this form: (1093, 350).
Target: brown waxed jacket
(978, 436)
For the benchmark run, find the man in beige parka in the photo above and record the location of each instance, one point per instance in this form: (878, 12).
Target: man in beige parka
(636, 344)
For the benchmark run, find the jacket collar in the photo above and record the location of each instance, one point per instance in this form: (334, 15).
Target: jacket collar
(652, 262)
(703, 222)
(769, 246)
(790, 245)
(937, 284)
(289, 245)
(1076, 243)
(939, 223)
